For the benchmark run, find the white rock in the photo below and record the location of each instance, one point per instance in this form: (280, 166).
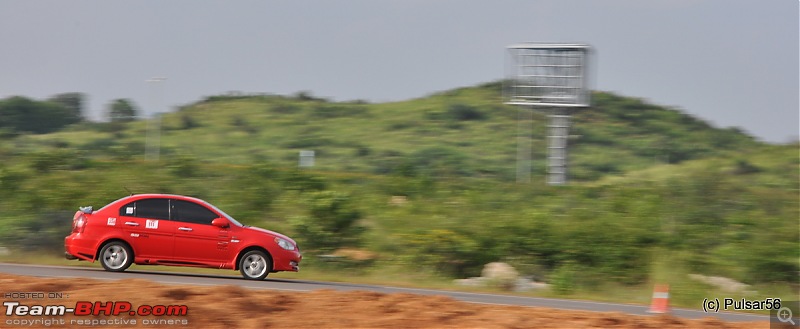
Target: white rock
(539, 285)
(471, 282)
(500, 274)
(722, 283)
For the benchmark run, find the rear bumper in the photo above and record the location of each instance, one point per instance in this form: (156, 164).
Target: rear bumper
(77, 248)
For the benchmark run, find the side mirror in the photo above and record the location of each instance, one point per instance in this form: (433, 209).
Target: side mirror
(221, 222)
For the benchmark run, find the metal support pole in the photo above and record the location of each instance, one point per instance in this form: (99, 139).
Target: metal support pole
(558, 131)
(153, 138)
(524, 144)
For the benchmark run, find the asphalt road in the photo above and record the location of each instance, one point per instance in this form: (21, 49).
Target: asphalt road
(301, 285)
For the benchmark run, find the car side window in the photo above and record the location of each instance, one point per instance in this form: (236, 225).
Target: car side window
(190, 212)
(128, 209)
(151, 208)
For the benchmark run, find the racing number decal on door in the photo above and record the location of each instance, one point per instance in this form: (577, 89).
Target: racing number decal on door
(151, 223)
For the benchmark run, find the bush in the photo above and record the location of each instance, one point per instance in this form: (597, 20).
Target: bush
(307, 142)
(188, 122)
(780, 266)
(297, 180)
(744, 167)
(285, 108)
(446, 251)
(362, 151)
(563, 279)
(10, 180)
(400, 125)
(20, 114)
(330, 111)
(183, 166)
(126, 151)
(64, 159)
(99, 145)
(331, 222)
(255, 194)
(463, 112)
(44, 231)
(439, 162)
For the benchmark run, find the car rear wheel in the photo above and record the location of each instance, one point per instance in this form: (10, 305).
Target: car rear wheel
(116, 256)
(255, 265)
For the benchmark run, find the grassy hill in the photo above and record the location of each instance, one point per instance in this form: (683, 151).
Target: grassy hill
(463, 132)
(655, 193)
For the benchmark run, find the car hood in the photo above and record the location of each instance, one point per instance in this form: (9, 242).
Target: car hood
(272, 233)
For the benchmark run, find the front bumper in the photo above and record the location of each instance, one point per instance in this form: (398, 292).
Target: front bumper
(287, 261)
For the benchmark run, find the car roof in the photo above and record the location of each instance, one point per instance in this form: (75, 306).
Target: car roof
(159, 195)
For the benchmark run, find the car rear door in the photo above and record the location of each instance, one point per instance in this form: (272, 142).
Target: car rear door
(196, 240)
(147, 223)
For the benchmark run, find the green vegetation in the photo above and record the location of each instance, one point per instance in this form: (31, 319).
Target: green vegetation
(121, 110)
(330, 224)
(23, 115)
(427, 185)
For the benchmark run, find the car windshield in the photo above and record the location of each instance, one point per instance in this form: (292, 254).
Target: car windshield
(229, 217)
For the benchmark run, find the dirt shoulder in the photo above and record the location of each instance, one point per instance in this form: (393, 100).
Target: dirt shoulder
(235, 307)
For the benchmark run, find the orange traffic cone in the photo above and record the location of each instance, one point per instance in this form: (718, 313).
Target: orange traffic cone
(660, 299)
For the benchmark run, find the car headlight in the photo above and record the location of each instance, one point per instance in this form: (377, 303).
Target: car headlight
(285, 244)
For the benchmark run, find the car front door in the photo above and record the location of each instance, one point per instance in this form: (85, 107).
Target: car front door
(150, 231)
(196, 240)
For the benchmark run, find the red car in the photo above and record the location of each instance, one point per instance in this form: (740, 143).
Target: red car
(161, 229)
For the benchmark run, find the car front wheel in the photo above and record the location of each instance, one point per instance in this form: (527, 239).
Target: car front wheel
(116, 256)
(255, 265)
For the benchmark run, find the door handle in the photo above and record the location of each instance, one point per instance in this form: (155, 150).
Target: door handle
(132, 223)
(185, 229)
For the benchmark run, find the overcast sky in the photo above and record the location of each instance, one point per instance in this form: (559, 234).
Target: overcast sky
(732, 63)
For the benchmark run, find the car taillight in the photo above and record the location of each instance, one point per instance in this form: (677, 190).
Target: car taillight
(79, 224)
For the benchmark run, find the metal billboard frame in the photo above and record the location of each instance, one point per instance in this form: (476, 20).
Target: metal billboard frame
(555, 78)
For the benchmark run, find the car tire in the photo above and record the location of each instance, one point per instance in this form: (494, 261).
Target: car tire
(116, 256)
(255, 265)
